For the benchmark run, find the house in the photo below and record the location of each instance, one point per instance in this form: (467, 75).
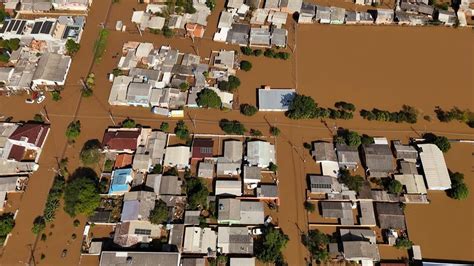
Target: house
(365, 18)
(118, 93)
(347, 156)
(228, 168)
(259, 37)
(352, 17)
(143, 49)
(235, 211)
(233, 151)
(404, 152)
(239, 34)
(177, 156)
(414, 184)
(277, 18)
(337, 15)
(252, 174)
(402, 18)
(156, 146)
(234, 240)
(195, 30)
(225, 60)
(390, 215)
(338, 209)
(260, 153)
(367, 217)
(36, 5)
(138, 94)
(323, 14)
(141, 163)
(408, 168)
(290, 6)
(409, 7)
(121, 140)
(267, 191)
(123, 160)
(272, 4)
(121, 181)
(259, 16)
(324, 152)
(225, 20)
(434, 167)
(324, 184)
(242, 261)
(77, 5)
(276, 100)
(202, 148)
(175, 22)
(10, 184)
(378, 159)
(384, 16)
(176, 236)
(227, 98)
(52, 70)
(234, 3)
(447, 17)
(113, 258)
(425, 9)
(131, 233)
(199, 240)
(206, 169)
(279, 37)
(359, 245)
(192, 217)
(137, 205)
(307, 13)
(165, 184)
(228, 187)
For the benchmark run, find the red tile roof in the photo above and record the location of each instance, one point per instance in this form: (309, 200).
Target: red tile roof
(123, 160)
(121, 140)
(195, 30)
(202, 148)
(16, 153)
(32, 133)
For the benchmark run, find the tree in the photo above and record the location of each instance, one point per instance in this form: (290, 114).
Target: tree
(441, 141)
(129, 123)
(317, 244)
(302, 107)
(197, 193)
(72, 47)
(73, 130)
(272, 167)
(257, 52)
(181, 130)
(255, 132)
(348, 137)
(39, 224)
(309, 206)
(246, 50)
(232, 127)
(6, 224)
(90, 153)
(10, 44)
(245, 65)
(157, 168)
(167, 32)
(208, 98)
(54, 197)
(234, 83)
(56, 95)
(248, 109)
(352, 182)
(403, 243)
(269, 247)
(345, 106)
(160, 213)
(269, 53)
(211, 4)
(459, 189)
(184, 86)
(108, 166)
(395, 187)
(81, 195)
(38, 118)
(164, 126)
(4, 58)
(366, 139)
(275, 131)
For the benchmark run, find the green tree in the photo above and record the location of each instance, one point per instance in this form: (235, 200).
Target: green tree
(257, 52)
(73, 130)
(459, 190)
(157, 168)
(352, 182)
(255, 132)
(164, 126)
(160, 213)
(248, 109)
(56, 96)
(441, 141)
(39, 224)
(211, 4)
(353, 139)
(183, 87)
(234, 83)
(167, 32)
(269, 53)
(317, 244)
(197, 193)
(108, 166)
(246, 50)
(232, 127)
(4, 58)
(345, 106)
(38, 118)
(91, 152)
(366, 139)
(181, 130)
(6, 224)
(275, 131)
(72, 47)
(208, 98)
(53, 200)
(268, 249)
(273, 167)
(129, 123)
(81, 195)
(395, 187)
(245, 65)
(403, 243)
(309, 206)
(302, 107)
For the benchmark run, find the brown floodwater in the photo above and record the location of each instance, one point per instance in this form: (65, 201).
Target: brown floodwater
(383, 67)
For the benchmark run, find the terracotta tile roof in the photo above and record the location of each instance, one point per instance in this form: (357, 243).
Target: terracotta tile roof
(123, 160)
(16, 153)
(121, 140)
(195, 30)
(202, 148)
(32, 133)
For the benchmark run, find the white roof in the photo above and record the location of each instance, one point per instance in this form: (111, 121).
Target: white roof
(242, 261)
(177, 156)
(330, 168)
(229, 187)
(414, 184)
(144, 49)
(118, 93)
(225, 20)
(434, 167)
(260, 153)
(199, 240)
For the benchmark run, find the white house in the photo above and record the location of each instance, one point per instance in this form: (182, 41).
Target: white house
(434, 167)
(260, 153)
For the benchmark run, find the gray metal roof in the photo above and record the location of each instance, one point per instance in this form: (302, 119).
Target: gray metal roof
(390, 215)
(338, 209)
(267, 191)
(275, 99)
(324, 151)
(259, 36)
(52, 67)
(116, 258)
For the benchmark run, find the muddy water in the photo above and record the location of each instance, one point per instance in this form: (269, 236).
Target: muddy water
(369, 66)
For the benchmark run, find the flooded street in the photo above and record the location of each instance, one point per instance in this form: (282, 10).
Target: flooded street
(383, 67)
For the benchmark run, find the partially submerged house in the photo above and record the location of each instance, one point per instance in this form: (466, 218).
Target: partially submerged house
(277, 100)
(260, 153)
(228, 187)
(121, 140)
(234, 211)
(359, 245)
(324, 184)
(342, 210)
(199, 240)
(434, 167)
(234, 240)
(347, 156)
(177, 156)
(378, 160)
(390, 215)
(413, 184)
(202, 148)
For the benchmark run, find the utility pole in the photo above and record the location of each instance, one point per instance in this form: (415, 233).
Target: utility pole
(45, 114)
(112, 118)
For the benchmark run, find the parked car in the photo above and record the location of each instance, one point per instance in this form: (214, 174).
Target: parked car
(256, 231)
(268, 220)
(41, 99)
(29, 101)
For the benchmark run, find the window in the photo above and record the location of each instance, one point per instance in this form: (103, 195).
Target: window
(139, 231)
(206, 150)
